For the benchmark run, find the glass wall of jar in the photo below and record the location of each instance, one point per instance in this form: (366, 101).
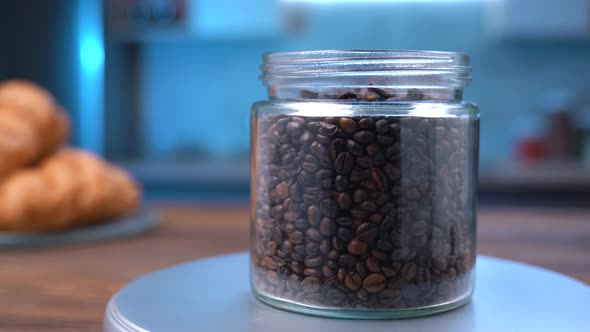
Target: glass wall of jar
(364, 172)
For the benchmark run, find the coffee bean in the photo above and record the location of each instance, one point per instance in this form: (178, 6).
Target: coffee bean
(357, 247)
(344, 234)
(336, 296)
(318, 150)
(364, 136)
(379, 159)
(338, 244)
(298, 258)
(294, 128)
(383, 198)
(327, 226)
(300, 249)
(385, 245)
(297, 267)
(313, 262)
(367, 232)
(269, 263)
(344, 201)
(310, 284)
(373, 264)
(392, 171)
(410, 291)
(419, 228)
(333, 255)
(307, 181)
(327, 271)
(357, 176)
(379, 179)
(393, 152)
(359, 196)
(310, 164)
(368, 206)
(440, 263)
(408, 271)
(329, 208)
(325, 247)
(374, 283)
(306, 138)
(361, 269)
(367, 123)
(352, 280)
(314, 234)
(287, 247)
(385, 140)
(337, 146)
(327, 194)
(347, 261)
(347, 125)
(379, 255)
(440, 248)
(311, 249)
(452, 273)
(389, 296)
(301, 223)
(344, 221)
(294, 282)
(282, 190)
(341, 183)
(359, 214)
(364, 162)
(296, 237)
(354, 148)
(347, 95)
(423, 278)
(388, 271)
(327, 129)
(376, 218)
(291, 216)
(344, 163)
(314, 215)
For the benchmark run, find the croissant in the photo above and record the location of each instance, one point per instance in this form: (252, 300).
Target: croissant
(32, 125)
(68, 189)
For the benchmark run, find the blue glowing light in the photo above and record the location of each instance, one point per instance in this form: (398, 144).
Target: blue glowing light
(91, 54)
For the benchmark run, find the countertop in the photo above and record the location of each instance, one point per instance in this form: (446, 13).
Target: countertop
(66, 288)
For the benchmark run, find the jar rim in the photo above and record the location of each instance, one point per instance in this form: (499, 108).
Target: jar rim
(461, 59)
(445, 74)
(318, 62)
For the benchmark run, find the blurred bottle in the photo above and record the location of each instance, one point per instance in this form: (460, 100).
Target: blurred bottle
(582, 121)
(164, 11)
(138, 13)
(560, 134)
(530, 149)
(155, 12)
(529, 143)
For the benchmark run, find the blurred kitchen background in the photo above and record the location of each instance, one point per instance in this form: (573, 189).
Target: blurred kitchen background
(164, 87)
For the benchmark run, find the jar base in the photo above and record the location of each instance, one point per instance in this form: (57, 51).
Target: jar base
(361, 313)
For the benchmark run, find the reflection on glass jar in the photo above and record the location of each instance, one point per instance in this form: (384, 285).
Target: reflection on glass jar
(363, 183)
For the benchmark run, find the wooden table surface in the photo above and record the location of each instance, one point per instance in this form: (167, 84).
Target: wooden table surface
(66, 288)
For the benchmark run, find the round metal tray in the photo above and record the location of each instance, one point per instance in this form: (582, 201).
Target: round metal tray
(214, 295)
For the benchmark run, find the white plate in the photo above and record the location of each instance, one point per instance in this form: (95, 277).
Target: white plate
(141, 221)
(214, 295)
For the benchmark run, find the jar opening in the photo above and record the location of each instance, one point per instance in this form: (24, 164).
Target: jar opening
(366, 75)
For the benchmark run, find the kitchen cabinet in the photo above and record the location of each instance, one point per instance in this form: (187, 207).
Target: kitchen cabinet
(179, 20)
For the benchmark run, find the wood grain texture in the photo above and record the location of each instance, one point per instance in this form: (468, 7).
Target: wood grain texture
(66, 288)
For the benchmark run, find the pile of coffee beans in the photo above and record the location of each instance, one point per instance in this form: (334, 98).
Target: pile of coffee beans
(364, 212)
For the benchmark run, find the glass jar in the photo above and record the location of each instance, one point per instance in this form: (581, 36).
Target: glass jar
(364, 172)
